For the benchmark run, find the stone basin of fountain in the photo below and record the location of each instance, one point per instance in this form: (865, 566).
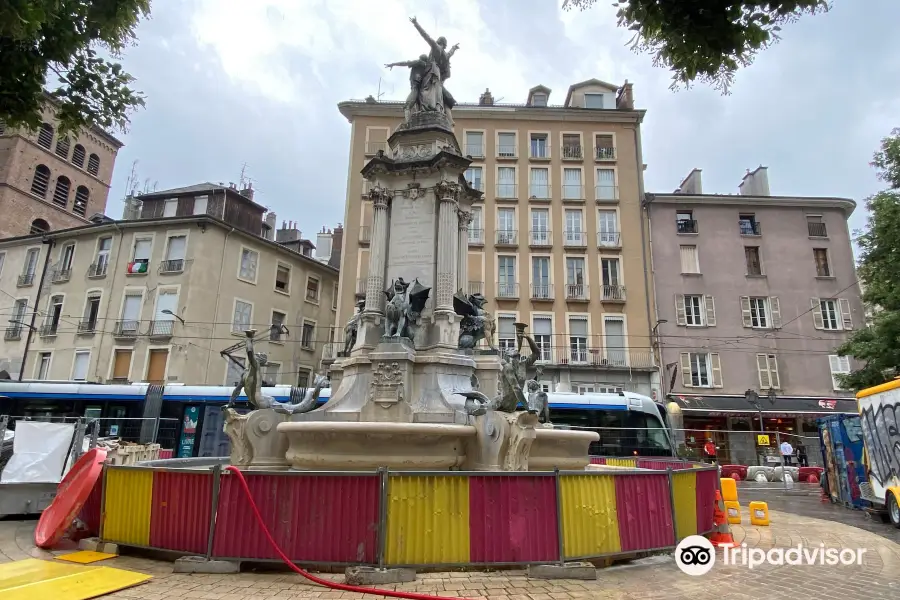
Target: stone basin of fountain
(355, 445)
(564, 449)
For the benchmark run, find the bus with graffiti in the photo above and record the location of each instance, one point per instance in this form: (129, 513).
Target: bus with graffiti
(879, 412)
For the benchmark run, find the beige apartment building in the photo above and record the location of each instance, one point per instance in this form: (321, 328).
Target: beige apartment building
(158, 297)
(557, 241)
(50, 181)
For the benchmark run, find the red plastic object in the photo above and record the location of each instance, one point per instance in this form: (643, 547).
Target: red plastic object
(72, 493)
(741, 471)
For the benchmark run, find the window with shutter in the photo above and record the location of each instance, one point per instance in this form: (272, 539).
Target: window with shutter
(715, 365)
(710, 311)
(690, 262)
(686, 380)
(243, 312)
(846, 316)
(775, 310)
(767, 365)
(680, 309)
(839, 365)
(506, 332)
(543, 335)
(746, 313)
(815, 306)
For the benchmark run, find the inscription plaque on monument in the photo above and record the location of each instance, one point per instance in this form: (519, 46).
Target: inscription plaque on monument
(412, 247)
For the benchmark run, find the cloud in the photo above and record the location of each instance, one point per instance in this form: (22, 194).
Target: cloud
(230, 82)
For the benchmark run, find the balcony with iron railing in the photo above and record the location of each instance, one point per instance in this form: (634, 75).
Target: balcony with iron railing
(126, 329)
(542, 291)
(686, 226)
(573, 192)
(749, 228)
(506, 289)
(365, 235)
(573, 152)
(475, 287)
(372, 148)
(577, 292)
(49, 329)
(13, 333)
(609, 239)
(816, 229)
(507, 237)
(476, 237)
(61, 275)
(606, 193)
(507, 151)
(539, 191)
(592, 352)
(613, 292)
(88, 327)
(475, 150)
(539, 238)
(98, 270)
(161, 329)
(172, 267)
(25, 280)
(574, 238)
(507, 191)
(603, 153)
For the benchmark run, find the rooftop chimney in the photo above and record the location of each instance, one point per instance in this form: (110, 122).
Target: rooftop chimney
(287, 234)
(337, 241)
(625, 97)
(756, 182)
(271, 220)
(247, 192)
(691, 185)
(324, 242)
(486, 99)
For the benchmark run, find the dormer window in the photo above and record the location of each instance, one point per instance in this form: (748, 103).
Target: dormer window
(539, 99)
(594, 100)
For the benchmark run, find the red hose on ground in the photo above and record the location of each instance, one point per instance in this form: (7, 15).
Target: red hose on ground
(331, 584)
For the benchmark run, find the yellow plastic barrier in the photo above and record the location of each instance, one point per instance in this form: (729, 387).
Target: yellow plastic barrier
(759, 513)
(733, 512)
(729, 489)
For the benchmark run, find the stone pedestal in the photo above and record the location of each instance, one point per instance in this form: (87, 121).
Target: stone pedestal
(502, 442)
(564, 449)
(255, 441)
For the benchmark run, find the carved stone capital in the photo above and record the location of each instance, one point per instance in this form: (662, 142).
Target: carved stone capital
(465, 218)
(447, 191)
(380, 197)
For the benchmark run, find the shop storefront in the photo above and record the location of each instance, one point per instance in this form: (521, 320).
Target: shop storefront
(747, 434)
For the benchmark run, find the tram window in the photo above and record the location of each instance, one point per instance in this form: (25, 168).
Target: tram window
(93, 412)
(622, 433)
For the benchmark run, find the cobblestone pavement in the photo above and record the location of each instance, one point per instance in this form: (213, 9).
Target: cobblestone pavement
(656, 577)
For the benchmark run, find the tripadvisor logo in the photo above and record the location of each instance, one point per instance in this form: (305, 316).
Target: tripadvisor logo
(695, 555)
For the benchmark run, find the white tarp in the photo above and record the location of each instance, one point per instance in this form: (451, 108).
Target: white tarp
(39, 452)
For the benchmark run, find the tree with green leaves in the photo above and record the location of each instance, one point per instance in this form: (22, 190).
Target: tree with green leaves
(66, 41)
(705, 40)
(877, 346)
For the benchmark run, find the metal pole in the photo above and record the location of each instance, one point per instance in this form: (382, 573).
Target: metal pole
(783, 469)
(95, 433)
(214, 505)
(559, 521)
(4, 423)
(672, 503)
(102, 502)
(382, 515)
(49, 243)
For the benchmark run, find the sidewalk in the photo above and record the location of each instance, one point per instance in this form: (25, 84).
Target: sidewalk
(657, 577)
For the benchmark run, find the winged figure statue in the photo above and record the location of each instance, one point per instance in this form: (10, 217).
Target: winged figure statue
(405, 303)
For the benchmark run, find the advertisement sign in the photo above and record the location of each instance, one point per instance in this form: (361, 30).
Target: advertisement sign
(188, 431)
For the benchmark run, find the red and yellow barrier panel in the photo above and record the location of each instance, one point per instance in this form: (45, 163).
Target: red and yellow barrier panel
(409, 519)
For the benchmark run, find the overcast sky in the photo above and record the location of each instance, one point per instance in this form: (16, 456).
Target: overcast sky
(230, 82)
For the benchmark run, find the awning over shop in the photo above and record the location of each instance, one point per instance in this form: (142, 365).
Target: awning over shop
(782, 405)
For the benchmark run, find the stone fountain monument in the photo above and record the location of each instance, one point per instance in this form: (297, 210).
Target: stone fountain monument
(411, 392)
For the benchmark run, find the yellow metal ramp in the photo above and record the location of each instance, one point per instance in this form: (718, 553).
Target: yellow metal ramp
(31, 579)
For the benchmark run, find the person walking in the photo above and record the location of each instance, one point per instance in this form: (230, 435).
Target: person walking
(786, 451)
(709, 451)
(802, 458)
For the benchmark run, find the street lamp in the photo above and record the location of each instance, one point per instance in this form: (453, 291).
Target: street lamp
(166, 311)
(753, 398)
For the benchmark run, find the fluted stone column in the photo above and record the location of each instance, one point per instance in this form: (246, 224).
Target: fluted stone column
(448, 235)
(462, 251)
(377, 252)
